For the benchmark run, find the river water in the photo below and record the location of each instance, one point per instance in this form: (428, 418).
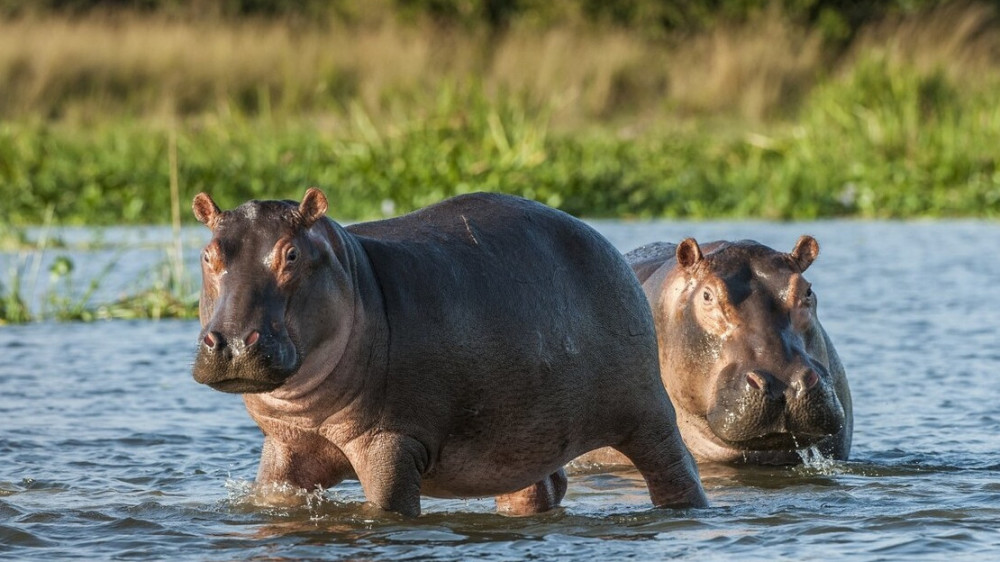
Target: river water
(109, 450)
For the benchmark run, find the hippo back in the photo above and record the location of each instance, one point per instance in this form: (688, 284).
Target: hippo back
(645, 260)
(458, 278)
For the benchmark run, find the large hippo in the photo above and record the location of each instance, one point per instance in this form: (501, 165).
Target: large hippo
(468, 349)
(751, 372)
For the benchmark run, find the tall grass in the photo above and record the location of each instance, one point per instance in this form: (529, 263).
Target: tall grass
(13, 309)
(882, 140)
(82, 68)
(104, 117)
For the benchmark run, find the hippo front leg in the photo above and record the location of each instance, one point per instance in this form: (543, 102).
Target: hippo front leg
(390, 473)
(540, 496)
(304, 463)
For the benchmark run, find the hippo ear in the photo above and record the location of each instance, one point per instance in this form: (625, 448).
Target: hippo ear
(805, 252)
(688, 253)
(313, 206)
(205, 210)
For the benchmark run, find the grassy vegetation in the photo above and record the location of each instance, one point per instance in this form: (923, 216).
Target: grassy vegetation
(883, 140)
(166, 297)
(163, 291)
(754, 119)
(112, 119)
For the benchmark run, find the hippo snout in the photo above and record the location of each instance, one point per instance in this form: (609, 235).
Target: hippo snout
(246, 363)
(796, 388)
(761, 410)
(216, 343)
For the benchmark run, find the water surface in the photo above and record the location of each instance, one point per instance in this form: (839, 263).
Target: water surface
(108, 448)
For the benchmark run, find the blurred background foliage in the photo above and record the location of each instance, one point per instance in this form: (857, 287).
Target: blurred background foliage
(783, 109)
(837, 18)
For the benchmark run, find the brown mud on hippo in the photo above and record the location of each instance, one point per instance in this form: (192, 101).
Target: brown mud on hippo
(752, 375)
(468, 349)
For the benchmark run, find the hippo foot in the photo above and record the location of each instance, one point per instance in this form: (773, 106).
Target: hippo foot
(540, 496)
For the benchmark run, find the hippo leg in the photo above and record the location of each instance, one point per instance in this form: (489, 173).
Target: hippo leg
(670, 473)
(306, 463)
(540, 496)
(390, 474)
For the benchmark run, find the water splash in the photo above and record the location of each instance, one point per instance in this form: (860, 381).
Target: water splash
(245, 493)
(813, 459)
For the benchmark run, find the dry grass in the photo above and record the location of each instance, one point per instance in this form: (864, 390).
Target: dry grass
(67, 69)
(154, 66)
(755, 69)
(959, 39)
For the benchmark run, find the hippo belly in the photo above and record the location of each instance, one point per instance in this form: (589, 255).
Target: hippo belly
(470, 466)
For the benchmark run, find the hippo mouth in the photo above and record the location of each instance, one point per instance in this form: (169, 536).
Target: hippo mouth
(779, 441)
(249, 376)
(755, 421)
(262, 369)
(243, 386)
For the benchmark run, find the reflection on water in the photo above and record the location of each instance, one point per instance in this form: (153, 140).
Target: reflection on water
(110, 450)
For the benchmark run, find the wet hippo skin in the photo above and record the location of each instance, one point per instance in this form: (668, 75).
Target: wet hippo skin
(468, 349)
(750, 370)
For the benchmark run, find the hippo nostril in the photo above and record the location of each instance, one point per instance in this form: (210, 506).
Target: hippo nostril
(804, 383)
(810, 380)
(251, 338)
(213, 340)
(756, 381)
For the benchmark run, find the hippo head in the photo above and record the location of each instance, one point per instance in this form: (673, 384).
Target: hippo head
(265, 275)
(745, 352)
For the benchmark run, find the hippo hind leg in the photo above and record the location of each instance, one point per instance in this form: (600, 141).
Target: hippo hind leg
(668, 468)
(540, 496)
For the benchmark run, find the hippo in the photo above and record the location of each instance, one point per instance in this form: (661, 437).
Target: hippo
(468, 349)
(750, 370)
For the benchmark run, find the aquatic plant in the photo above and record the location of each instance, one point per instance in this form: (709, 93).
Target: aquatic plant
(62, 301)
(165, 293)
(12, 307)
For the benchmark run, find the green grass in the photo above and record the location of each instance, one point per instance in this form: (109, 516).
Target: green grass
(881, 141)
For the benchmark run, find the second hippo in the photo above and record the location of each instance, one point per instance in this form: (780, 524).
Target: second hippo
(751, 372)
(468, 349)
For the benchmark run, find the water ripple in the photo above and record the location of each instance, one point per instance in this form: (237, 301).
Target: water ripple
(112, 451)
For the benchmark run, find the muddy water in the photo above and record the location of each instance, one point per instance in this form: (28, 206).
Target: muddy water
(108, 449)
